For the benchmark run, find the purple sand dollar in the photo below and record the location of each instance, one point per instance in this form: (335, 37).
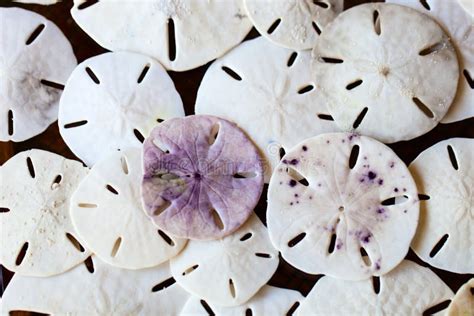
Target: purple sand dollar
(202, 177)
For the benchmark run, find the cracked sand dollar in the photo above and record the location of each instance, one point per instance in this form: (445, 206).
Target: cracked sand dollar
(35, 62)
(269, 300)
(228, 271)
(456, 17)
(294, 24)
(37, 235)
(445, 177)
(342, 205)
(267, 91)
(202, 177)
(107, 213)
(180, 34)
(96, 288)
(463, 302)
(113, 101)
(378, 77)
(409, 289)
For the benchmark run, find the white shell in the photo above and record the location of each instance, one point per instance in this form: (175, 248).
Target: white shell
(408, 290)
(456, 16)
(293, 24)
(38, 216)
(107, 213)
(268, 301)
(32, 57)
(265, 103)
(381, 79)
(43, 2)
(449, 212)
(228, 271)
(321, 208)
(463, 302)
(203, 30)
(105, 291)
(110, 100)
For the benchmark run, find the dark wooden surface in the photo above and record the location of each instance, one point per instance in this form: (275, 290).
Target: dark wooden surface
(187, 84)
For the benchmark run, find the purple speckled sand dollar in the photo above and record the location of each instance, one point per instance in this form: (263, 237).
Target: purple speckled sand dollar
(342, 205)
(202, 177)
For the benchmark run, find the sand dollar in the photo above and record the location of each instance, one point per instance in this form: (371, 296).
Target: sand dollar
(113, 101)
(96, 288)
(35, 62)
(445, 177)
(409, 289)
(378, 77)
(342, 205)
(37, 235)
(456, 17)
(228, 271)
(202, 177)
(107, 213)
(268, 91)
(181, 34)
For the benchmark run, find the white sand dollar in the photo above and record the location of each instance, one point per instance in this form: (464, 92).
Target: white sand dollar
(97, 289)
(456, 17)
(463, 302)
(37, 235)
(35, 62)
(268, 301)
(295, 24)
(181, 34)
(228, 271)
(444, 174)
(107, 213)
(267, 90)
(380, 78)
(409, 289)
(113, 101)
(342, 205)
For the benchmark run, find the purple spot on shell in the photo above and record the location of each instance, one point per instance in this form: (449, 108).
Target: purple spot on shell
(380, 210)
(304, 148)
(292, 183)
(380, 181)
(392, 164)
(291, 203)
(310, 197)
(339, 244)
(365, 157)
(328, 141)
(296, 194)
(281, 182)
(377, 266)
(297, 202)
(319, 184)
(405, 211)
(292, 162)
(372, 175)
(395, 190)
(343, 140)
(404, 189)
(361, 180)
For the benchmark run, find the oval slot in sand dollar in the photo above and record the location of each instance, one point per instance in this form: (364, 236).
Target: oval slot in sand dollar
(35, 61)
(112, 101)
(346, 201)
(180, 34)
(294, 24)
(37, 235)
(229, 271)
(445, 180)
(409, 289)
(456, 17)
(97, 288)
(380, 78)
(202, 177)
(267, 91)
(107, 213)
(269, 300)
